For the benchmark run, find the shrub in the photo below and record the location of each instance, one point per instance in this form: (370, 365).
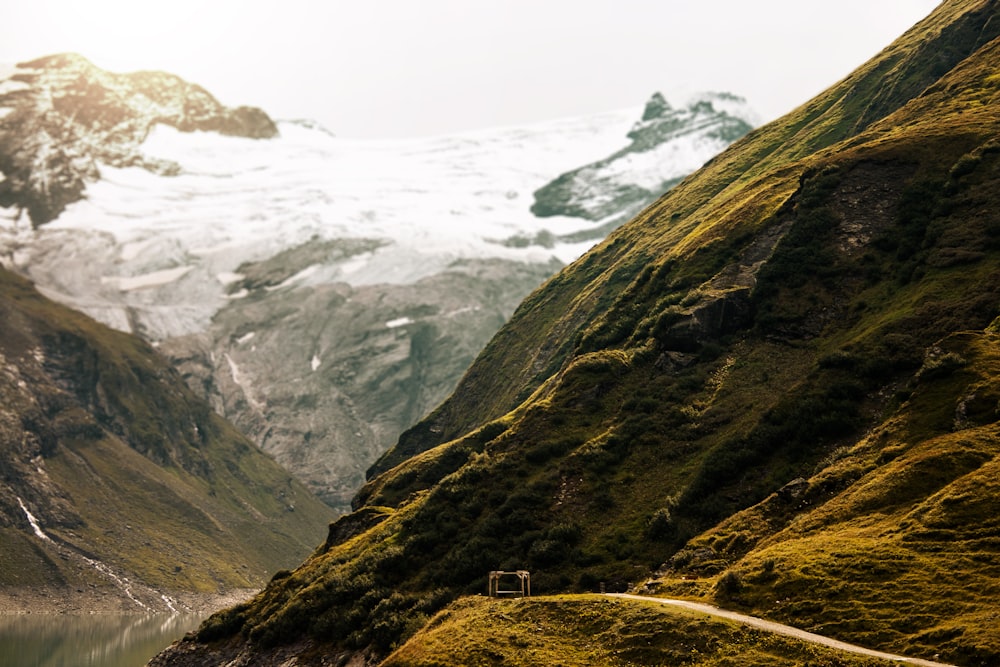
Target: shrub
(729, 585)
(660, 524)
(940, 366)
(965, 165)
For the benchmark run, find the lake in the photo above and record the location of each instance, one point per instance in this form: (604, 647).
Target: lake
(89, 640)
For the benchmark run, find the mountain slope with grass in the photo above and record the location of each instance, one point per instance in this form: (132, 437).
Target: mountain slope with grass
(774, 389)
(119, 489)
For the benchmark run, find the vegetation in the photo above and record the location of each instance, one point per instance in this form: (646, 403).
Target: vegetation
(120, 463)
(591, 630)
(776, 388)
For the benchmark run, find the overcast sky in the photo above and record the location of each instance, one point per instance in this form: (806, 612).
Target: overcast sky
(395, 68)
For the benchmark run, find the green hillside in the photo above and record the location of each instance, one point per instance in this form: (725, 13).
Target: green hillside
(139, 489)
(775, 389)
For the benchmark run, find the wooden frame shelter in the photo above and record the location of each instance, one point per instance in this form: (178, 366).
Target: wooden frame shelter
(499, 577)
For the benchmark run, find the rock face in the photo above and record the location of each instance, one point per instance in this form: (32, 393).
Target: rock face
(324, 377)
(63, 117)
(667, 145)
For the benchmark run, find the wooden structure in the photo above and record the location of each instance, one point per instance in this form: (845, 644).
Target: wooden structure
(522, 588)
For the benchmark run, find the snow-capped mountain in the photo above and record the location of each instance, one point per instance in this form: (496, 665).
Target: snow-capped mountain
(667, 144)
(62, 116)
(324, 293)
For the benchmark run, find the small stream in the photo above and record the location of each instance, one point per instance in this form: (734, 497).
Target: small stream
(89, 640)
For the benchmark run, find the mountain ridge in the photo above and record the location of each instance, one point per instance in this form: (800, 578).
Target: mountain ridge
(670, 142)
(63, 116)
(321, 293)
(774, 389)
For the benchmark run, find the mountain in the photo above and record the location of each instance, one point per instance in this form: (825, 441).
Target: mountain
(666, 145)
(775, 389)
(323, 294)
(120, 490)
(67, 116)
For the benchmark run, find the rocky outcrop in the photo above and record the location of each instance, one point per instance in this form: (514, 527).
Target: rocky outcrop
(63, 117)
(324, 378)
(666, 145)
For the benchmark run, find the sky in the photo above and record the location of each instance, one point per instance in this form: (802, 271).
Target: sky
(405, 68)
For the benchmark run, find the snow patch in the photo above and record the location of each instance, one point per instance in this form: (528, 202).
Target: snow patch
(243, 384)
(297, 278)
(398, 322)
(33, 521)
(121, 582)
(315, 363)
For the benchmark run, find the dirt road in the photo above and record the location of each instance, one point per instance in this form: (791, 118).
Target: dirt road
(780, 629)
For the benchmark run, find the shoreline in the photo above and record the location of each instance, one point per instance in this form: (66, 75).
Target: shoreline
(56, 601)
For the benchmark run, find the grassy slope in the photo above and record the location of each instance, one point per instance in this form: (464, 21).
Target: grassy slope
(589, 630)
(895, 542)
(119, 462)
(758, 324)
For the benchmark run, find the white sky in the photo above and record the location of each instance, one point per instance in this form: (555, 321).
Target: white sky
(394, 68)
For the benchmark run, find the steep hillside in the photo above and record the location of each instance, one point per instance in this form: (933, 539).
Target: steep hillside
(119, 489)
(775, 387)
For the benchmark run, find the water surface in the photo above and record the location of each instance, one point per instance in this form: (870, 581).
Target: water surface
(89, 640)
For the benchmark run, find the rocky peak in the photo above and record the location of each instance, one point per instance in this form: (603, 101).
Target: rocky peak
(666, 145)
(727, 114)
(62, 117)
(656, 107)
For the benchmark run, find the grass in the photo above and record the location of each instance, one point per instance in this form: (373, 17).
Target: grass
(574, 631)
(894, 542)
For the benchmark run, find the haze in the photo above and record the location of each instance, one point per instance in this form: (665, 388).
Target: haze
(396, 68)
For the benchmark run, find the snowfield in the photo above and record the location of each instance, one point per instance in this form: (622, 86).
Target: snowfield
(151, 243)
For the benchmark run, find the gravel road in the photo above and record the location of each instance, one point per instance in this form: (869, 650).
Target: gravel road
(778, 628)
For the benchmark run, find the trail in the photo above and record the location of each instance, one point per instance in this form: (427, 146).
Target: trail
(778, 628)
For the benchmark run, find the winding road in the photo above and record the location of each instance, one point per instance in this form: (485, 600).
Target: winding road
(779, 629)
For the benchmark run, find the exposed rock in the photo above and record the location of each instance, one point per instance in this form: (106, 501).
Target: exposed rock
(656, 107)
(793, 489)
(324, 378)
(666, 145)
(349, 525)
(64, 117)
